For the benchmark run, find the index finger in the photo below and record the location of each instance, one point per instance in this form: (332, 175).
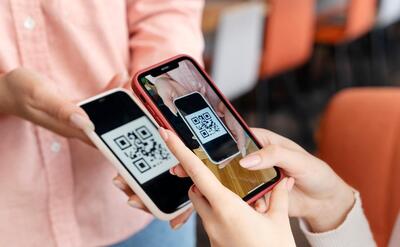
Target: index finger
(202, 177)
(267, 137)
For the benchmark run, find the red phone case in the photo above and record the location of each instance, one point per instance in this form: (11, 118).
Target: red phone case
(162, 121)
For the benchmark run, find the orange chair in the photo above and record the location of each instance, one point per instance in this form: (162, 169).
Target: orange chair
(359, 137)
(288, 44)
(340, 26)
(359, 19)
(289, 32)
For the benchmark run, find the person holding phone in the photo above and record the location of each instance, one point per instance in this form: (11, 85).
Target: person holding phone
(55, 189)
(330, 210)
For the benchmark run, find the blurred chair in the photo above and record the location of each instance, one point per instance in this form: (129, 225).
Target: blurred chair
(288, 39)
(358, 19)
(359, 137)
(237, 49)
(342, 25)
(288, 44)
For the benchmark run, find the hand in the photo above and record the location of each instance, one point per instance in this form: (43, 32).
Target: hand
(135, 202)
(320, 196)
(28, 95)
(227, 219)
(168, 89)
(233, 125)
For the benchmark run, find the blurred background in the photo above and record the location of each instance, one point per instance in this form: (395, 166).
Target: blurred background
(323, 73)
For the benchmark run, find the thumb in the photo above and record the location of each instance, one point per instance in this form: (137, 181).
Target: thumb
(279, 199)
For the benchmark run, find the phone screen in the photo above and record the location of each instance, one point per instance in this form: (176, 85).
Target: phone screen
(214, 137)
(206, 123)
(134, 140)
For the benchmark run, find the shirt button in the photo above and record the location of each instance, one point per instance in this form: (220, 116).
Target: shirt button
(55, 147)
(29, 23)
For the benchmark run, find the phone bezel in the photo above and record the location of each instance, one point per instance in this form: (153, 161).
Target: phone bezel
(152, 107)
(122, 170)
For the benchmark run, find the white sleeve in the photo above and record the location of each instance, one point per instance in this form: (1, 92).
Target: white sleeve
(353, 232)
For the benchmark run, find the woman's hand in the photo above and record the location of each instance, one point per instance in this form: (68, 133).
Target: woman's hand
(227, 219)
(26, 94)
(320, 196)
(233, 125)
(135, 202)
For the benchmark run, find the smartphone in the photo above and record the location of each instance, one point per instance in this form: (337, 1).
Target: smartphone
(183, 98)
(211, 133)
(128, 136)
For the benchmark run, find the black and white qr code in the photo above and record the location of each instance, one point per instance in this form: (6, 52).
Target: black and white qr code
(142, 148)
(205, 125)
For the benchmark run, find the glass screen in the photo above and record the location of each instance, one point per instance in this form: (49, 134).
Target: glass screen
(206, 124)
(134, 140)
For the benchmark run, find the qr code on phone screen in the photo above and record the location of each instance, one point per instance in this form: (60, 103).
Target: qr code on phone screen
(205, 125)
(139, 146)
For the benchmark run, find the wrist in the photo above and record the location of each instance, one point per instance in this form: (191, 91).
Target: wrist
(330, 213)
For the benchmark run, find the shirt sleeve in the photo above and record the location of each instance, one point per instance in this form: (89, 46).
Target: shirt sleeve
(160, 29)
(353, 232)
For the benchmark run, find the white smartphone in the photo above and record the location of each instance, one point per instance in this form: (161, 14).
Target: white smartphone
(128, 136)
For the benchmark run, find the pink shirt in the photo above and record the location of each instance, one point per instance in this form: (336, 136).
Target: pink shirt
(56, 191)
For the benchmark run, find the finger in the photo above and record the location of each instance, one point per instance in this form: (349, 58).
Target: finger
(120, 183)
(181, 219)
(261, 205)
(221, 109)
(267, 137)
(178, 171)
(200, 204)
(170, 104)
(135, 202)
(62, 109)
(293, 162)
(45, 98)
(279, 200)
(202, 177)
(48, 122)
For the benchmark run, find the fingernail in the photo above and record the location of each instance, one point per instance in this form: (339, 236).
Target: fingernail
(250, 161)
(134, 203)
(290, 184)
(193, 188)
(119, 184)
(81, 122)
(163, 133)
(177, 226)
(172, 170)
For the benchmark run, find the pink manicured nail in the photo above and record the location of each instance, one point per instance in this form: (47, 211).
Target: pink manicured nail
(163, 133)
(250, 161)
(177, 226)
(134, 204)
(172, 170)
(194, 189)
(81, 122)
